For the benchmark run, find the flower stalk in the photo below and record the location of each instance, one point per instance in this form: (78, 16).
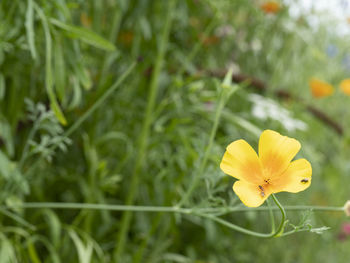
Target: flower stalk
(200, 212)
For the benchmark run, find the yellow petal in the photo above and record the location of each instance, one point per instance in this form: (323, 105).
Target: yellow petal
(296, 178)
(250, 194)
(241, 161)
(320, 88)
(276, 152)
(345, 86)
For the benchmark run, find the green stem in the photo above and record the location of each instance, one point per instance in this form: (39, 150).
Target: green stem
(279, 230)
(143, 139)
(292, 232)
(272, 217)
(199, 172)
(276, 233)
(235, 227)
(100, 101)
(27, 144)
(167, 209)
(201, 212)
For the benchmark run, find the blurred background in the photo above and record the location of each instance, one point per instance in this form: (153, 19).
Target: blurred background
(146, 140)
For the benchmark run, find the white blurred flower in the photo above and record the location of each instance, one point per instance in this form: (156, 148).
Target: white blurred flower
(256, 45)
(224, 31)
(265, 108)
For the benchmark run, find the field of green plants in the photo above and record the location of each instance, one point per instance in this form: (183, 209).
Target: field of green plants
(115, 116)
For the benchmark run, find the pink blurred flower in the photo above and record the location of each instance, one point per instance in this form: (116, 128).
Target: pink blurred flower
(344, 231)
(346, 228)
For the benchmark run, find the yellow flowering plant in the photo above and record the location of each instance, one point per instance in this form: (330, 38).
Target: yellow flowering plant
(271, 171)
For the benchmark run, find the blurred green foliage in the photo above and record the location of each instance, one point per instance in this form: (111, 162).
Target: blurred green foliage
(58, 57)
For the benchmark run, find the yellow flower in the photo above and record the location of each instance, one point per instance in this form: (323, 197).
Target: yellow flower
(271, 7)
(345, 86)
(320, 88)
(270, 172)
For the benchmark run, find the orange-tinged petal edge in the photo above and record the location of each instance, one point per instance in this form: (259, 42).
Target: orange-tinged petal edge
(276, 152)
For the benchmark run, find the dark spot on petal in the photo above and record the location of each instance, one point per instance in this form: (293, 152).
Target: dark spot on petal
(262, 193)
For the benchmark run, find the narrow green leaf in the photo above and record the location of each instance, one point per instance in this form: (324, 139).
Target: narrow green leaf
(85, 35)
(29, 24)
(6, 167)
(54, 226)
(2, 87)
(17, 218)
(7, 250)
(59, 114)
(84, 251)
(60, 72)
(77, 94)
(83, 76)
(48, 68)
(6, 136)
(33, 254)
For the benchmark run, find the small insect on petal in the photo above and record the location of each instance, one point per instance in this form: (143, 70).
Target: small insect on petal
(304, 181)
(262, 193)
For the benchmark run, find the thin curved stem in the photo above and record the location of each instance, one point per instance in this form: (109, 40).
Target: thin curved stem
(27, 144)
(272, 216)
(283, 219)
(273, 233)
(293, 231)
(100, 100)
(201, 212)
(235, 227)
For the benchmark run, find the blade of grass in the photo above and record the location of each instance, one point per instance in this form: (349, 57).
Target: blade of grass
(85, 35)
(100, 101)
(48, 68)
(17, 218)
(60, 68)
(29, 24)
(143, 139)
